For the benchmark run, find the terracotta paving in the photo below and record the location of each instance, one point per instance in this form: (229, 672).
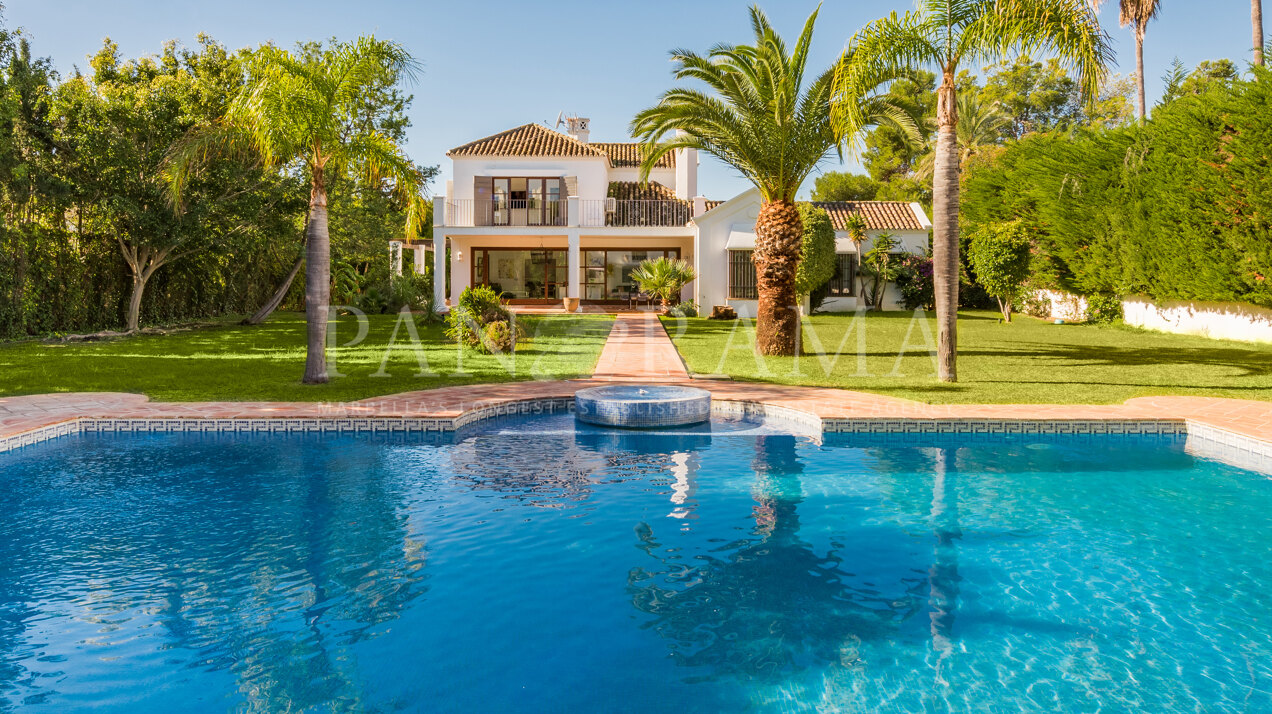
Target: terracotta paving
(639, 349)
(20, 414)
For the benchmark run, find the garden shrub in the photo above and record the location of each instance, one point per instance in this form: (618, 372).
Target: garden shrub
(1036, 304)
(1000, 255)
(914, 280)
(687, 308)
(469, 321)
(1103, 309)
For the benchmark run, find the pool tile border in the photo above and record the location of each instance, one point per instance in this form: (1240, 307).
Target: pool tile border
(807, 411)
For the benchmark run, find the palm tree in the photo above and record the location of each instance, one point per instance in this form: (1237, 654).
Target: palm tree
(1138, 13)
(664, 277)
(764, 121)
(943, 34)
(1256, 22)
(301, 113)
(855, 225)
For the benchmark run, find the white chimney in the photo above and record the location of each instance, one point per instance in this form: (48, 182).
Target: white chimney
(577, 127)
(686, 173)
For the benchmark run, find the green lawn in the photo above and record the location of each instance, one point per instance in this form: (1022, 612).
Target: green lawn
(229, 362)
(1027, 361)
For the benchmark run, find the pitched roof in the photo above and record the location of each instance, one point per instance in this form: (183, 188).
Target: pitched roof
(527, 140)
(637, 191)
(629, 154)
(712, 204)
(879, 215)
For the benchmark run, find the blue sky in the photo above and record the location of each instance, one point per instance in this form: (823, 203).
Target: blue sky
(489, 66)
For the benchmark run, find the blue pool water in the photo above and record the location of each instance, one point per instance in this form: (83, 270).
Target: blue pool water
(536, 566)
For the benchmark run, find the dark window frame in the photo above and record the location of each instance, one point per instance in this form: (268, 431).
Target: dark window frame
(742, 279)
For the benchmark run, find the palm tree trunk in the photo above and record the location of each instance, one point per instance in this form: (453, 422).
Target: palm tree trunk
(317, 283)
(277, 299)
(778, 233)
(1139, 71)
(1256, 22)
(945, 264)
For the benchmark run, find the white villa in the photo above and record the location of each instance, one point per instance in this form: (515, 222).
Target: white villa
(542, 216)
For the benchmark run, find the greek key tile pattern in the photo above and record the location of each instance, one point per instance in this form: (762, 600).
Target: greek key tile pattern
(1203, 440)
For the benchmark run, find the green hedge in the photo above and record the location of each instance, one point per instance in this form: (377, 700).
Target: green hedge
(1178, 208)
(55, 282)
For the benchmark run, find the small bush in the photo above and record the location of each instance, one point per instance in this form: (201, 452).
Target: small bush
(478, 308)
(684, 309)
(498, 337)
(1036, 305)
(1103, 309)
(914, 280)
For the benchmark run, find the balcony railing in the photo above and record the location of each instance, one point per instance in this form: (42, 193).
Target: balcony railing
(634, 213)
(591, 213)
(505, 212)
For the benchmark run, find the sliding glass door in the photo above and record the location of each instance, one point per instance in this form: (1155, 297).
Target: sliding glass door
(522, 274)
(607, 274)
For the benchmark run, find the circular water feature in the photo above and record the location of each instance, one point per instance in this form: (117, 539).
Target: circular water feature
(642, 406)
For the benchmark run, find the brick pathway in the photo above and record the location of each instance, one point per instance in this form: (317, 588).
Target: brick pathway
(639, 349)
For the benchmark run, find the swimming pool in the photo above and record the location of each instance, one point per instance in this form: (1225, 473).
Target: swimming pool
(535, 565)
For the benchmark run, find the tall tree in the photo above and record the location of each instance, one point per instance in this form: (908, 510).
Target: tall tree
(1256, 22)
(1137, 14)
(117, 126)
(942, 34)
(303, 112)
(764, 120)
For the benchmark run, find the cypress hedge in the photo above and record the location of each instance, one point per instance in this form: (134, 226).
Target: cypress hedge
(1179, 207)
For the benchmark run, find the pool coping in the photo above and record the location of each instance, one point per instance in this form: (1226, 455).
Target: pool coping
(1238, 432)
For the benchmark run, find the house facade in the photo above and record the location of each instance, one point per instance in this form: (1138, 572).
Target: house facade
(541, 216)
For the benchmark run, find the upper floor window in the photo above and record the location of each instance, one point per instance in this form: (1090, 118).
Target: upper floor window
(519, 201)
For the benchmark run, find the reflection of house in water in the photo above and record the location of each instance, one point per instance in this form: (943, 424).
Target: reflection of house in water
(513, 464)
(767, 604)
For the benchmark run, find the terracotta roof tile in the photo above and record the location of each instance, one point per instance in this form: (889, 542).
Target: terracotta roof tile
(712, 204)
(527, 140)
(880, 215)
(629, 155)
(636, 191)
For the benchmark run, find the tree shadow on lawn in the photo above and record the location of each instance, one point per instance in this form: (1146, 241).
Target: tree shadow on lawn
(1251, 362)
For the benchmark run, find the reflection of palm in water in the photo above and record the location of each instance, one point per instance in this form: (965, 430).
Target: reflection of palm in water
(772, 605)
(330, 559)
(943, 576)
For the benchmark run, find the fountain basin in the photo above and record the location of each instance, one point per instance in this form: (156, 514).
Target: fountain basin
(641, 406)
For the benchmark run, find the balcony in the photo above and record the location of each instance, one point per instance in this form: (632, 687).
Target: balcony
(634, 213)
(505, 212)
(608, 212)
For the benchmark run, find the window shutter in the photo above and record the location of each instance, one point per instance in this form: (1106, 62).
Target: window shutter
(483, 191)
(571, 186)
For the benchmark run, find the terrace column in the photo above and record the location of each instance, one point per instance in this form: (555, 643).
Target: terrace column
(575, 263)
(439, 253)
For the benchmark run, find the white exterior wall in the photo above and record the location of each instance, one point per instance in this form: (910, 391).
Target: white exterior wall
(1226, 321)
(712, 258)
(1219, 320)
(592, 173)
(1065, 306)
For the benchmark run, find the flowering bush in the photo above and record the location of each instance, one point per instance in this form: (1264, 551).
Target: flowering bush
(914, 280)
